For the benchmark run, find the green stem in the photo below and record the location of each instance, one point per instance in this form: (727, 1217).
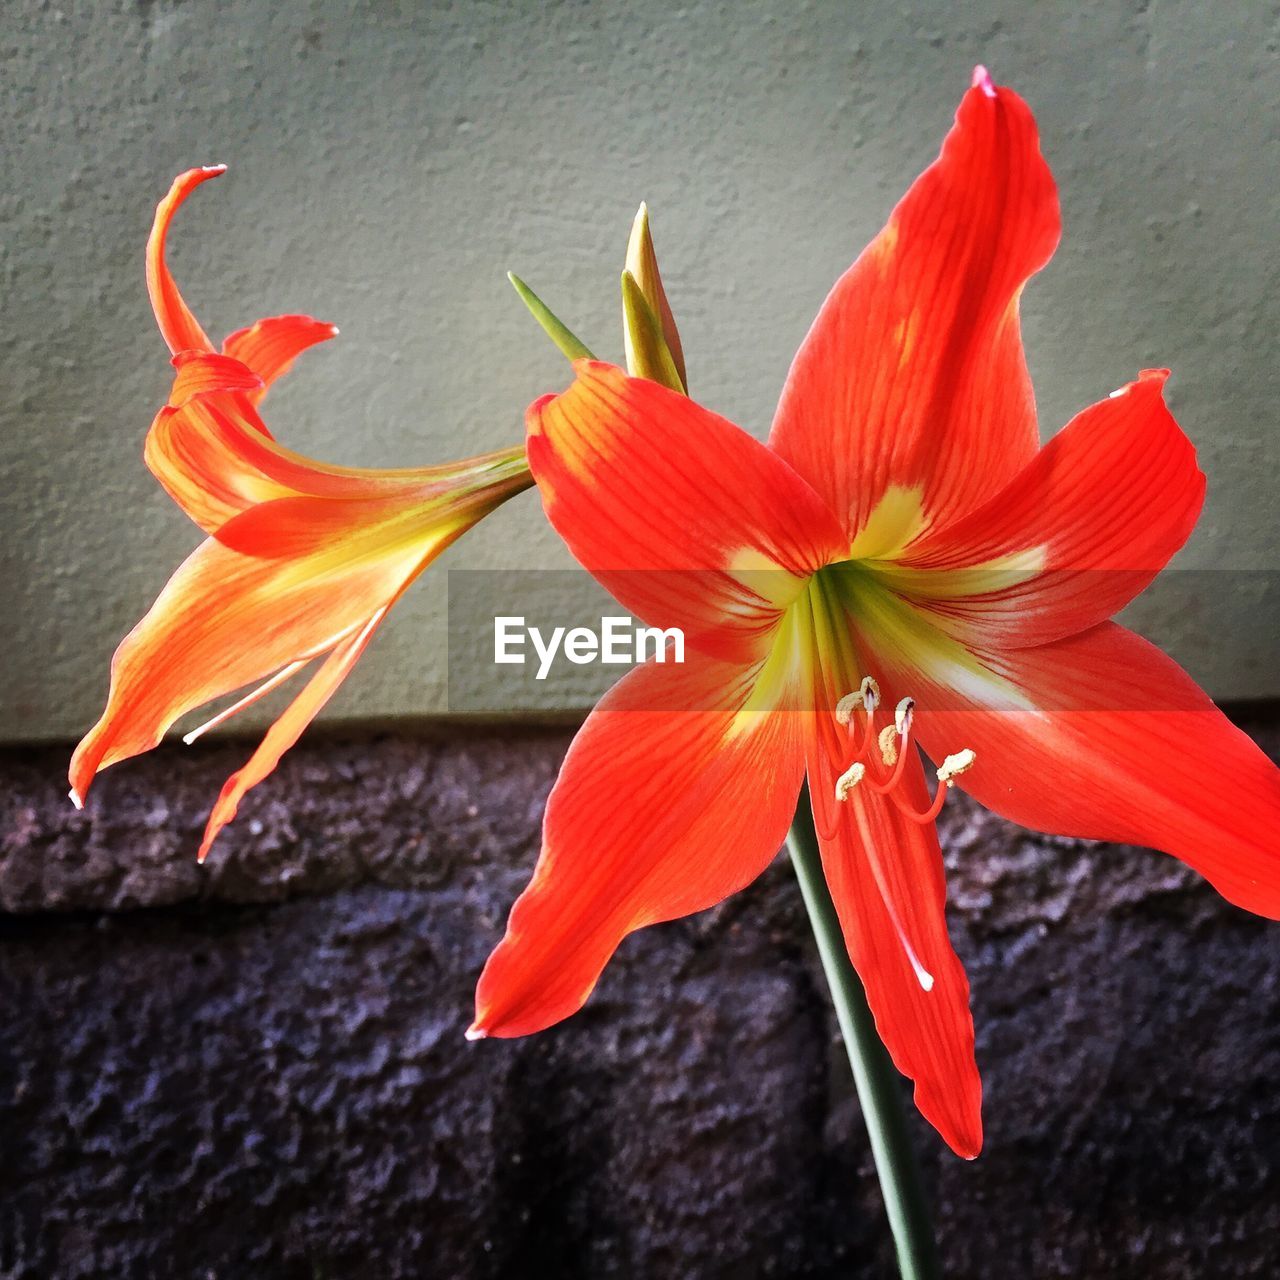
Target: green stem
(878, 1083)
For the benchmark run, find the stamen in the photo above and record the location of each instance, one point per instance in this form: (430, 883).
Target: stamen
(832, 746)
(858, 773)
(892, 741)
(273, 682)
(247, 701)
(870, 692)
(939, 799)
(868, 695)
(903, 714)
(923, 976)
(953, 766)
(850, 779)
(890, 784)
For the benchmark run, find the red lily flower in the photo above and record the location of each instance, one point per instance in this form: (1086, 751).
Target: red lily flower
(304, 560)
(903, 532)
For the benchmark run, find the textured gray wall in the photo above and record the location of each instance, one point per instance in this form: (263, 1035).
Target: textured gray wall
(390, 161)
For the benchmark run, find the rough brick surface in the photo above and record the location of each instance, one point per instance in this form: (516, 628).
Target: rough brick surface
(257, 1068)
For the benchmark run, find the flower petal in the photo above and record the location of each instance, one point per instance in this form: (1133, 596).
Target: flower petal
(1122, 746)
(271, 346)
(234, 614)
(212, 454)
(682, 516)
(179, 327)
(912, 386)
(288, 728)
(673, 796)
(199, 372)
(886, 878)
(211, 458)
(1079, 532)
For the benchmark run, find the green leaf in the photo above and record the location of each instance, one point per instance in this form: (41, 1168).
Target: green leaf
(555, 328)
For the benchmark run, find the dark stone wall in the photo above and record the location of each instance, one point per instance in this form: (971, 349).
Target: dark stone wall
(257, 1068)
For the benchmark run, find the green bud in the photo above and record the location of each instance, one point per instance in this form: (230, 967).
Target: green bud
(650, 330)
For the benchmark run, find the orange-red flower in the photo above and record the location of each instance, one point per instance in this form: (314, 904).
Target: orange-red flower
(303, 561)
(901, 537)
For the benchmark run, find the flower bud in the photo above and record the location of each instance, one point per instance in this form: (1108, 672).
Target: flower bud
(649, 329)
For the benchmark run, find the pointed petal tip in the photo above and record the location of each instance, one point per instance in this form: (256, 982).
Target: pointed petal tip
(476, 1032)
(213, 169)
(1150, 379)
(982, 80)
(964, 1141)
(76, 798)
(211, 833)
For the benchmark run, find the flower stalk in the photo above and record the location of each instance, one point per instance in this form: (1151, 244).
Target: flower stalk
(878, 1084)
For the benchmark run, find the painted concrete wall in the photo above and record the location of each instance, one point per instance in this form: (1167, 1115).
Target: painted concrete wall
(390, 162)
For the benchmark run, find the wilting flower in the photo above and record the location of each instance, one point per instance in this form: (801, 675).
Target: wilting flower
(303, 561)
(901, 539)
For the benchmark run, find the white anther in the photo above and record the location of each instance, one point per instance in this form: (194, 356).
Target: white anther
(889, 744)
(850, 779)
(953, 766)
(870, 692)
(902, 716)
(846, 707)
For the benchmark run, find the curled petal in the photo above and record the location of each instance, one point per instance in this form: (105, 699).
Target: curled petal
(215, 457)
(200, 372)
(179, 327)
(1072, 538)
(271, 346)
(674, 794)
(209, 456)
(911, 389)
(682, 516)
